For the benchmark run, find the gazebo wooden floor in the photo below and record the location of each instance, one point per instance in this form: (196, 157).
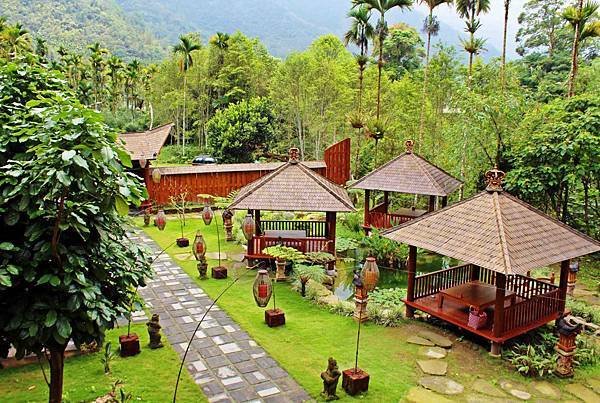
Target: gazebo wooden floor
(458, 315)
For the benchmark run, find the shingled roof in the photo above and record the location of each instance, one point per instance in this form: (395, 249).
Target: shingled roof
(293, 187)
(497, 231)
(146, 145)
(410, 173)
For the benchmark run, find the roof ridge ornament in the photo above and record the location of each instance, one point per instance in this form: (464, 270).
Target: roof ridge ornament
(409, 144)
(294, 155)
(494, 178)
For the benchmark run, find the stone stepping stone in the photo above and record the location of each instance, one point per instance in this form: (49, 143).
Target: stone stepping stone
(515, 389)
(442, 385)
(436, 338)
(594, 384)
(433, 367)
(184, 256)
(433, 352)
(546, 389)
(485, 388)
(472, 398)
(215, 255)
(582, 392)
(237, 257)
(419, 341)
(419, 395)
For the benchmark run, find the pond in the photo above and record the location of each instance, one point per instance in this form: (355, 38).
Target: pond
(388, 277)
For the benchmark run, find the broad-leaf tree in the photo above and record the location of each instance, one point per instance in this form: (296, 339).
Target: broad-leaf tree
(540, 27)
(66, 266)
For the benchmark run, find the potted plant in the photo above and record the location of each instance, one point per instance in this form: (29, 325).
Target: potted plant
(304, 273)
(282, 255)
(130, 343)
(356, 120)
(179, 202)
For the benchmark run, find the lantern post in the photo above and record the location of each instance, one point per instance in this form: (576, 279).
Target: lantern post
(199, 251)
(161, 220)
(219, 272)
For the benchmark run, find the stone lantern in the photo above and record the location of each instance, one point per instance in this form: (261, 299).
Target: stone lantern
(567, 338)
(228, 224)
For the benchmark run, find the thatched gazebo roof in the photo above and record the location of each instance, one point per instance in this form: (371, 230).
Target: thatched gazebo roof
(412, 174)
(293, 187)
(146, 145)
(496, 231)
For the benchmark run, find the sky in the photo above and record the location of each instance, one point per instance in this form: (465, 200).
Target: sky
(492, 22)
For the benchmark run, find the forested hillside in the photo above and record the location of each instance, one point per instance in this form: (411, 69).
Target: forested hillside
(76, 23)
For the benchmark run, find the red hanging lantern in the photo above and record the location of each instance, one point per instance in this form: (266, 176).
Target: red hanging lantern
(199, 246)
(207, 215)
(248, 227)
(370, 274)
(262, 288)
(161, 220)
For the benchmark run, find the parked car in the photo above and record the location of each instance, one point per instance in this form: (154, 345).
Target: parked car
(204, 159)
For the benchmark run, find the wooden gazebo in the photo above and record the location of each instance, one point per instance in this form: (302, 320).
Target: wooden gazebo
(410, 174)
(293, 187)
(500, 238)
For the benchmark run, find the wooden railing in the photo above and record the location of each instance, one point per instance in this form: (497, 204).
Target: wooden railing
(432, 283)
(527, 287)
(386, 220)
(309, 244)
(312, 228)
(535, 311)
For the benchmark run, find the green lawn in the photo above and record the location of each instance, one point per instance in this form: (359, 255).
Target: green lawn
(149, 376)
(312, 334)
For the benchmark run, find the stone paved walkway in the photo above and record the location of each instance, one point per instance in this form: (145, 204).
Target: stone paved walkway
(223, 360)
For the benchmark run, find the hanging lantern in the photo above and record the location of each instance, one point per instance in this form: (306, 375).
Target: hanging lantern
(199, 246)
(370, 274)
(248, 227)
(143, 162)
(156, 175)
(161, 220)
(262, 288)
(207, 215)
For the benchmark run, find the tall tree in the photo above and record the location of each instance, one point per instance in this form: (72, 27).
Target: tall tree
(382, 7)
(470, 10)
(15, 40)
(98, 63)
(114, 66)
(504, 34)
(540, 26)
(580, 19)
(184, 48)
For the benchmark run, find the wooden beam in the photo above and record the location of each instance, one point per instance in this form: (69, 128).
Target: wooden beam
(330, 218)
(366, 221)
(562, 285)
(431, 205)
(444, 201)
(474, 272)
(257, 221)
(386, 200)
(250, 249)
(499, 305)
(412, 270)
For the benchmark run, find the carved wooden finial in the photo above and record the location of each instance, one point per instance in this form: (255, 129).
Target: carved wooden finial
(294, 155)
(409, 144)
(494, 178)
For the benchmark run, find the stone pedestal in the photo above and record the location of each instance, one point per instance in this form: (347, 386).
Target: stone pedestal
(571, 280)
(229, 232)
(274, 317)
(360, 301)
(202, 269)
(219, 272)
(355, 382)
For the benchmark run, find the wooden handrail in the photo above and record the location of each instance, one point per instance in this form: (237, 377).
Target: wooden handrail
(386, 220)
(304, 245)
(432, 283)
(539, 309)
(312, 228)
(527, 287)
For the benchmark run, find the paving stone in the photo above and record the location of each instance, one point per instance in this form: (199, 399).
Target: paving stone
(266, 362)
(594, 384)
(420, 395)
(247, 366)
(435, 338)
(240, 356)
(244, 395)
(217, 361)
(230, 348)
(583, 392)
(433, 352)
(276, 372)
(433, 367)
(419, 341)
(255, 377)
(546, 389)
(472, 398)
(268, 391)
(515, 389)
(441, 384)
(198, 366)
(486, 388)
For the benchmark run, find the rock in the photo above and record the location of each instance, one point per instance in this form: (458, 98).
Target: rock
(435, 338)
(433, 367)
(520, 394)
(329, 300)
(516, 389)
(485, 388)
(471, 398)
(420, 395)
(215, 255)
(594, 384)
(433, 352)
(582, 392)
(546, 389)
(441, 384)
(420, 341)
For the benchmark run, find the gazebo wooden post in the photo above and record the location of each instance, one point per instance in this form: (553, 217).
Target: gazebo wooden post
(444, 201)
(498, 327)
(412, 270)
(474, 272)
(367, 221)
(330, 218)
(431, 205)
(257, 221)
(386, 201)
(562, 285)
(251, 241)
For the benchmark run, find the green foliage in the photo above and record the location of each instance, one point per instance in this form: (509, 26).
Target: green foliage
(66, 263)
(402, 50)
(242, 132)
(173, 154)
(388, 298)
(345, 244)
(530, 360)
(319, 258)
(389, 317)
(590, 313)
(387, 252)
(286, 253)
(305, 273)
(107, 357)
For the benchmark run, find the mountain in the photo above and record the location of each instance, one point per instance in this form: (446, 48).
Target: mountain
(77, 23)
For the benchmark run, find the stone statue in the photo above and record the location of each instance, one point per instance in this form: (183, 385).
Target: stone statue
(154, 332)
(357, 280)
(330, 380)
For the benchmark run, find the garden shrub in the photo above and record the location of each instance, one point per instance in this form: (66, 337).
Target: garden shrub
(172, 154)
(590, 313)
(389, 317)
(343, 308)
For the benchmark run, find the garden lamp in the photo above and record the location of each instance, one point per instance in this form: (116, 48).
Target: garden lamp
(262, 288)
(370, 274)
(199, 246)
(207, 215)
(156, 175)
(161, 220)
(248, 227)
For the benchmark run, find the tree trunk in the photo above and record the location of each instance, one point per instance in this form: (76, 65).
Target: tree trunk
(360, 131)
(379, 67)
(506, 7)
(57, 357)
(184, 117)
(574, 55)
(425, 83)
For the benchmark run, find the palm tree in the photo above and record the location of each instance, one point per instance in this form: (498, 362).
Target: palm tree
(98, 63)
(41, 47)
(470, 10)
(185, 47)
(579, 18)
(132, 76)
(114, 66)
(382, 6)
(504, 33)
(16, 39)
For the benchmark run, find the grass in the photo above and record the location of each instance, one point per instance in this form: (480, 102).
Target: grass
(150, 376)
(312, 334)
